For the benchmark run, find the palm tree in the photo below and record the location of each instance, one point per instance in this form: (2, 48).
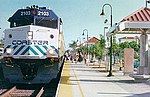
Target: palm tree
(100, 49)
(73, 45)
(92, 51)
(115, 50)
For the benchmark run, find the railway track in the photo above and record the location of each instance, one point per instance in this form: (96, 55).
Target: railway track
(48, 90)
(15, 91)
(43, 90)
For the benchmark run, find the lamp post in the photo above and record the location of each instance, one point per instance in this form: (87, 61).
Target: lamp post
(110, 71)
(85, 30)
(79, 39)
(105, 36)
(105, 31)
(147, 1)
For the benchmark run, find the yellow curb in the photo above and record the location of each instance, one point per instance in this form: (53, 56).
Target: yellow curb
(65, 89)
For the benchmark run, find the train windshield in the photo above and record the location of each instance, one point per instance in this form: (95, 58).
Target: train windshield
(20, 22)
(46, 22)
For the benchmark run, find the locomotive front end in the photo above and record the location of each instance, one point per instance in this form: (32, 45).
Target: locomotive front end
(31, 52)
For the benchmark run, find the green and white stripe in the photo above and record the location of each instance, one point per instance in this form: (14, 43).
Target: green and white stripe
(31, 50)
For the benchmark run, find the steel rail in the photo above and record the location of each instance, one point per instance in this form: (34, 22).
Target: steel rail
(7, 93)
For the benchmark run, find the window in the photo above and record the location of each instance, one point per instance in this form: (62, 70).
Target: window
(46, 22)
(20, 22)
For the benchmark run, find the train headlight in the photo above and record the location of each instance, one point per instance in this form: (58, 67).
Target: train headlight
(51, 51)
(9, 50)
(30, 35)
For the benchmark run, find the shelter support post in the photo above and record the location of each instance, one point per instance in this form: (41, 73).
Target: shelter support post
(148, 52)
(143, 69)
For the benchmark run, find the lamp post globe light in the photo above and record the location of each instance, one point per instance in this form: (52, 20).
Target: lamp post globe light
(85, 30)
(102, 13)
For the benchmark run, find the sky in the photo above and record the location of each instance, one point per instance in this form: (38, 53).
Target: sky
(77, 15)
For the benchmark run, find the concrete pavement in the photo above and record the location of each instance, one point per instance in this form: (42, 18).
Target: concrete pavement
(85, 81)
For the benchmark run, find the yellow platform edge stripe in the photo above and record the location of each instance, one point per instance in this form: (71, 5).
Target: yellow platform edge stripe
(78, 84)
(65, 86)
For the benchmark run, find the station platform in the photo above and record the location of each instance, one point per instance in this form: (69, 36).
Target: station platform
(80, 80)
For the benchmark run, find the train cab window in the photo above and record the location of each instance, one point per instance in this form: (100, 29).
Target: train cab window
(46, 22)
(20, 22)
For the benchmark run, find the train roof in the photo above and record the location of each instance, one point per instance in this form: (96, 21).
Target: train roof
(33, 12)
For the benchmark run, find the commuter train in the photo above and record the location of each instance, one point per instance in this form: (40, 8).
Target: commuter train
(33, 46)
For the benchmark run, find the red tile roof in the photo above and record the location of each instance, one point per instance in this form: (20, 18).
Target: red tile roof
(93, 40)
(142, 14)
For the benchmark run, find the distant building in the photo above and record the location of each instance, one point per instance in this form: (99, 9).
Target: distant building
(128, 39)
(90, 42)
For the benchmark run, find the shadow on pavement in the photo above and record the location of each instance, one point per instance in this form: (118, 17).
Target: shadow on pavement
(111, 93)
(140, 95)
(115, 81)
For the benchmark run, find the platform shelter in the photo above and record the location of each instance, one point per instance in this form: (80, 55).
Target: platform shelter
(137, 23)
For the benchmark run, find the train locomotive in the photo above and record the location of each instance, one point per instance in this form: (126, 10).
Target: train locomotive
(33, 46)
